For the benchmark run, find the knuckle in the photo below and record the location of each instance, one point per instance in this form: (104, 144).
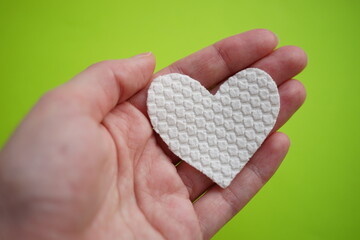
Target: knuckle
(297, 92)
(296, 56)
(54, 101)
(232, 200)
(50, 97)
(100, 65)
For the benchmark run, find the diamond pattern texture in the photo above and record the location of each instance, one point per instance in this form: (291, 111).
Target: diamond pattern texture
(216, 134)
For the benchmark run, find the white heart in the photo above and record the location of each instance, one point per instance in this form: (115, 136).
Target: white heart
(216, 134)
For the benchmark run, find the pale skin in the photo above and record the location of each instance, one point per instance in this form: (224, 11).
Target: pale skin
(86, 164)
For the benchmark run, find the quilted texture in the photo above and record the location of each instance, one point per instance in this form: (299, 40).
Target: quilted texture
(216, 134)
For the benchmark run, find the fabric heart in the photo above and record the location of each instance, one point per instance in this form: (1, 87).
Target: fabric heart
(216, 134)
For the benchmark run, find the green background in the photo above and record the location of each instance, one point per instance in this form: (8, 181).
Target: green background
(315, 194)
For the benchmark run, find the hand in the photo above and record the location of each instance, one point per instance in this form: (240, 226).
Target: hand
(86, 164)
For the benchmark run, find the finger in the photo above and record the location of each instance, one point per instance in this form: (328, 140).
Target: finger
(98, 89)
(283, 64)
(219, 205)
(215, 63)
(292, 95)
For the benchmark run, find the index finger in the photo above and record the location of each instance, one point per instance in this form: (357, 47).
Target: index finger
(215, 63)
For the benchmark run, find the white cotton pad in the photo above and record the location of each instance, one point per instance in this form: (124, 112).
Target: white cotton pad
(216, 134)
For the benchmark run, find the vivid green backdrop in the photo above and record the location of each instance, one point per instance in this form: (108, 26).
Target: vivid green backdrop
(315, 194)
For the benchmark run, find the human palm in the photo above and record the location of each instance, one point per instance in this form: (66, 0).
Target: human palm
(86, 164)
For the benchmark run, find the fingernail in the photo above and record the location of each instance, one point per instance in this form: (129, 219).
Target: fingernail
(277, 37)
(145, 54)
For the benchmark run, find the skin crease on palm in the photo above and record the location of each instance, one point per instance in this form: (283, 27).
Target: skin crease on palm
(86, 164)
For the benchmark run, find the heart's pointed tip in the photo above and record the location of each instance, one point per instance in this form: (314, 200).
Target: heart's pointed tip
(223, 186)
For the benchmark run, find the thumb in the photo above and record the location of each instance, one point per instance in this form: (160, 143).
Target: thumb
(103, 85)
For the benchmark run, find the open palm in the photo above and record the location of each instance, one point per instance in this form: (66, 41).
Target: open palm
(86, 164)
